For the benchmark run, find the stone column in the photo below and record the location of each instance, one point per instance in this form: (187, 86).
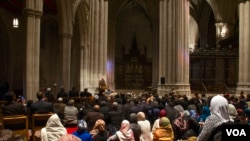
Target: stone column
(96, 49)
(244, 57)
(173, 51)
(111, 56)
(105, 40)
(98, 41)
(103, 24)
(83, 60)
(33, 13)
(66, 59)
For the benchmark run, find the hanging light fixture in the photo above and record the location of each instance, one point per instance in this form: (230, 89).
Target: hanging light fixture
(15, 23)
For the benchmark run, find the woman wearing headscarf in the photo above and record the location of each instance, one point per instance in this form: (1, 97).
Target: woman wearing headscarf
(146, 134)
(53, 130)
(99, 132)
(82, 131)
(136, 128)
(124, 134)
(179, 125)
(156, 124)
(164, 132)
(219, 115)
(205, 112)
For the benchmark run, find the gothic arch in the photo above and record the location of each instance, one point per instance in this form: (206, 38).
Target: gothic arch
(117, 18)
(203, 24)
(50, 56)
(65, 10)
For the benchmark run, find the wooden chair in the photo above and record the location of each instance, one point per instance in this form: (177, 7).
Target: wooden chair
(2, 102)
(18, 124)
(39, 121)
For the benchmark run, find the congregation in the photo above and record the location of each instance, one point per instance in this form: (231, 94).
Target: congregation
(145, 116)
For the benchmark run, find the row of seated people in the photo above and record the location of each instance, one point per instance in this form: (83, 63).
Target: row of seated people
(114, 112)
(72, 94)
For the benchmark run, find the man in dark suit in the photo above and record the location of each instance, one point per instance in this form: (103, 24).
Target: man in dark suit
(62, 93)
(41, 106)
(12, 107)
(85, 93)
(73, 92)
(93, 116)
(114, 118)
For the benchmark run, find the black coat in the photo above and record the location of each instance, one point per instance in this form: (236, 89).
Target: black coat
(41, 106)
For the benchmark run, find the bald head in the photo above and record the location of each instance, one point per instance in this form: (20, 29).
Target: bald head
(96, 107)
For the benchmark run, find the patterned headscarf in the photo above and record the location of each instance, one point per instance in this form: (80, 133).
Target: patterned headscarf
(125, 133)
(180, 122)
(99, 126)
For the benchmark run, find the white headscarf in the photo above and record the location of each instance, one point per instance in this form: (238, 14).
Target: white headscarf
(219, 107)
(53, 130)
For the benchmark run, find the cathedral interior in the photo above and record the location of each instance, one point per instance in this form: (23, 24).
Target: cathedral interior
(189, 45)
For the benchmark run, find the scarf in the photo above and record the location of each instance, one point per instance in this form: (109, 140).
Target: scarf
(125, 133)
(53, 130)
(99, 126)
(164, 122)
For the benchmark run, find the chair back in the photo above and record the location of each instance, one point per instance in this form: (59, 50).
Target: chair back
(39, 121)
(18, 124)
(2, 102)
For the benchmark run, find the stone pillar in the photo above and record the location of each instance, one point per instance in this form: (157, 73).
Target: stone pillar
(98, 41)
(66, 59)
(105, 63)
(244, 57)
(82, 67)
(33, 13)
(111, 56)
(103, 39)
(173, 51)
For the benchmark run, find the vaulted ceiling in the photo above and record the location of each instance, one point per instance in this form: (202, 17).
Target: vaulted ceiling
(16, 6)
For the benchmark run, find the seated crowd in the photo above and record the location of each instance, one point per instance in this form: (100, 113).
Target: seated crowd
(130, 117)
